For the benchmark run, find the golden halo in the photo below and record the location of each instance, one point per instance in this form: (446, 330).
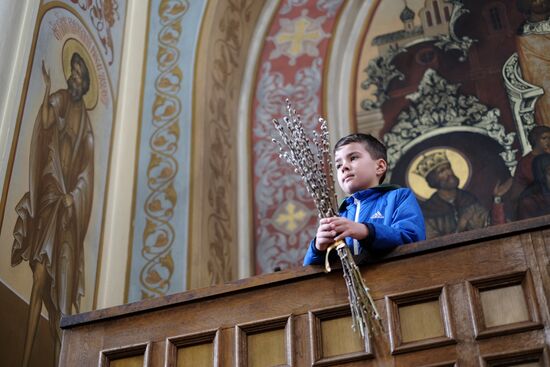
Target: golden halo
(459, 164)
(71, 46)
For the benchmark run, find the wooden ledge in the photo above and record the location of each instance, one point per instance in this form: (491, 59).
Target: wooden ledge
(466, 238)
(193, 295)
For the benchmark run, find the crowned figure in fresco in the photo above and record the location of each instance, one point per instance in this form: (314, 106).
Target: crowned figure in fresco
(53, 215)
(449, 209)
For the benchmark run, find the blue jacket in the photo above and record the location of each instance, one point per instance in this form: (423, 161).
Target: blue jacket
(391, 214)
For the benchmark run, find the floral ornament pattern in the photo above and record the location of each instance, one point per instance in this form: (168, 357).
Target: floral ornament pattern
(103, 14)
(292, 66)
(158, 234)
(228, 48)
(298, 36)
(439, 104)
(289, 4)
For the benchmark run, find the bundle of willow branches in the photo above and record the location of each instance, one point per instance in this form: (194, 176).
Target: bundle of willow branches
(312, 160)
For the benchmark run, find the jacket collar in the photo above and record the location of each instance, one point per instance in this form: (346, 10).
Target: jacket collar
(363, 194)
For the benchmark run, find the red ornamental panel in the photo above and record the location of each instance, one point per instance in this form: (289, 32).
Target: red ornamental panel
(292, 65)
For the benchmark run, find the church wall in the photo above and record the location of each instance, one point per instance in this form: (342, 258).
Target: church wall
(57, 25)
(191, 191)
(40, 33)
(13, 317)
(222, 58)
(160, 211)
(19, 21)
(293, 64)
(113, 281)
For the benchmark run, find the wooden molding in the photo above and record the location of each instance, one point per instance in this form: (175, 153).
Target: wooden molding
(187, 340)
(476, 286)
(512, 358)
(444, 364)
(277, 323)
(393, 302)
(108, 355)
(316, 347)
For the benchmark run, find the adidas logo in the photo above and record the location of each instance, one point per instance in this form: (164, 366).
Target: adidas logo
(377, 215)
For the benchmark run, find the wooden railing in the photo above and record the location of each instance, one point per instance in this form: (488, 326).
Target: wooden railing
(472, 299)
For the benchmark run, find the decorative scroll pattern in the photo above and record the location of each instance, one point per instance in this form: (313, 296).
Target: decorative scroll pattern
(285, 218)
(522, 97)
(158, 234)
(103, 14)
(380, 72)
(452, 41)
(438, 104)
(221, 143)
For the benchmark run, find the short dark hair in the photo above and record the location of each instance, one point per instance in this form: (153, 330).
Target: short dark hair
(77, 59)
(536, 133)
(373, 146)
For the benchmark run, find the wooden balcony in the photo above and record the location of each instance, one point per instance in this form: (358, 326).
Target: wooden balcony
(478, 298)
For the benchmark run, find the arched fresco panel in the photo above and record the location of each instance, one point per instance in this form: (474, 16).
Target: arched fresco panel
(293, 65)
(462, 77)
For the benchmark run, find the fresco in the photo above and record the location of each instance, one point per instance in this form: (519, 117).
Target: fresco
(292, 65)
(456, 90)
(459, 90)
(161, 200)
(55, 190)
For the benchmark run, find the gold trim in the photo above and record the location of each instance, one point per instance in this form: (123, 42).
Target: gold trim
(165, 181)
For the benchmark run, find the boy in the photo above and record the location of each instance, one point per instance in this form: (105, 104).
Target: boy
(374, 218)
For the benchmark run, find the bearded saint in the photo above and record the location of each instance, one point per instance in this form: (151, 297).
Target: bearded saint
(53, 215)
(449, 209)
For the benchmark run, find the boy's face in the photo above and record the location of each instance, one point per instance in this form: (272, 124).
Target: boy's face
(356, 170)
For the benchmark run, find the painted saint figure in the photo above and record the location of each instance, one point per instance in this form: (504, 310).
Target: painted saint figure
(539, 138)
(450, 209)
(53, 215)
(535, 199)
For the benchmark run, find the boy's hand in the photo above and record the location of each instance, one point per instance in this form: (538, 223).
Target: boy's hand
(325, 234)
(348, 228)
(336, 228)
